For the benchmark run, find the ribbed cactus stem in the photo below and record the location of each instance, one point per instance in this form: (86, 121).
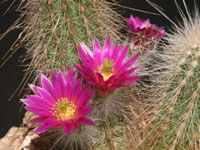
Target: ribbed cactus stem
(177, 124)
(53, 29)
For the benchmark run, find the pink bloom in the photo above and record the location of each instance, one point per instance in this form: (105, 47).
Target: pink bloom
(105, 67)
(143, 32)
(59, 103)
(136, 24)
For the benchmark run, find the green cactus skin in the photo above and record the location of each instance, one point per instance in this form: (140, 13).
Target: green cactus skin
(52, 30)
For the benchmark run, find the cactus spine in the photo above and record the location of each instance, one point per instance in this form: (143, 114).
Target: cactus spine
(177, 124)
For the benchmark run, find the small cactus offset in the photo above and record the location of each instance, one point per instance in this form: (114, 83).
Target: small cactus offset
(177, 126)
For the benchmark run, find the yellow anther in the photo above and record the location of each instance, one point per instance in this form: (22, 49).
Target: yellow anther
(64, 109)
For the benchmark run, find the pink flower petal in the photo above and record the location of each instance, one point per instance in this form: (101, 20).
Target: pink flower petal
(120, 59)
(68, 128)
(86, 49)
(84, 96)
(107, 44)
(85, 121)
(96, 45)
(76, 89)
(45, 126)
(38, 101)
(38, 119)
(46, 84)
(128, 63)
(26, 101)
(38, 110)
(60, 85)
(53, 76)
(128, 72)
(132, 79)
(69, 76)
(46, 95)
(34, 89)
(115, 53)
(84, 110)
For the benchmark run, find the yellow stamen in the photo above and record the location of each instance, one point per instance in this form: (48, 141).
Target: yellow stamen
(106, 69)
(106, 75)
(64, 109)
(148, 25)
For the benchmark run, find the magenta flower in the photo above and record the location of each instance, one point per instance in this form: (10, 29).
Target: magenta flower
(106, 68)
(59, 103)
(143, 32)
(136, 24)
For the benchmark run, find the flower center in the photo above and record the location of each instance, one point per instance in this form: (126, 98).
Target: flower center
(106, 69)
(148, 25)
(64, 109)
(106, 75)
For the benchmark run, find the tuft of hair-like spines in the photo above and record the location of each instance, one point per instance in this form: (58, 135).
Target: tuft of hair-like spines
(177, 123)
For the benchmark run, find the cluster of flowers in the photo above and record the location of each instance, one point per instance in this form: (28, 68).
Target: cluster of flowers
(62, 102)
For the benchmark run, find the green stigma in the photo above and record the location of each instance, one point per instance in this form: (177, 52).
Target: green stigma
(148, 25)
(62, 104)
(107, 65)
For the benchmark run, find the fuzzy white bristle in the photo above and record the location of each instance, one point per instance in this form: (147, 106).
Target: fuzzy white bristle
(177, 124)
(80, 139)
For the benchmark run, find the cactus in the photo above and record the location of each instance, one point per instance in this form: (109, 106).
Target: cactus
(52, 29)
(177, 125)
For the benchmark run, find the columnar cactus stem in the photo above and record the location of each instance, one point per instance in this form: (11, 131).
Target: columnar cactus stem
(52, 30)
(176, 126)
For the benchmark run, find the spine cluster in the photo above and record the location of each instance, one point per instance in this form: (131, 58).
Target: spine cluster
(177, 123)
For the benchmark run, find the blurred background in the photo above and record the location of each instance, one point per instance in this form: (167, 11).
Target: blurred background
(11, 73)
